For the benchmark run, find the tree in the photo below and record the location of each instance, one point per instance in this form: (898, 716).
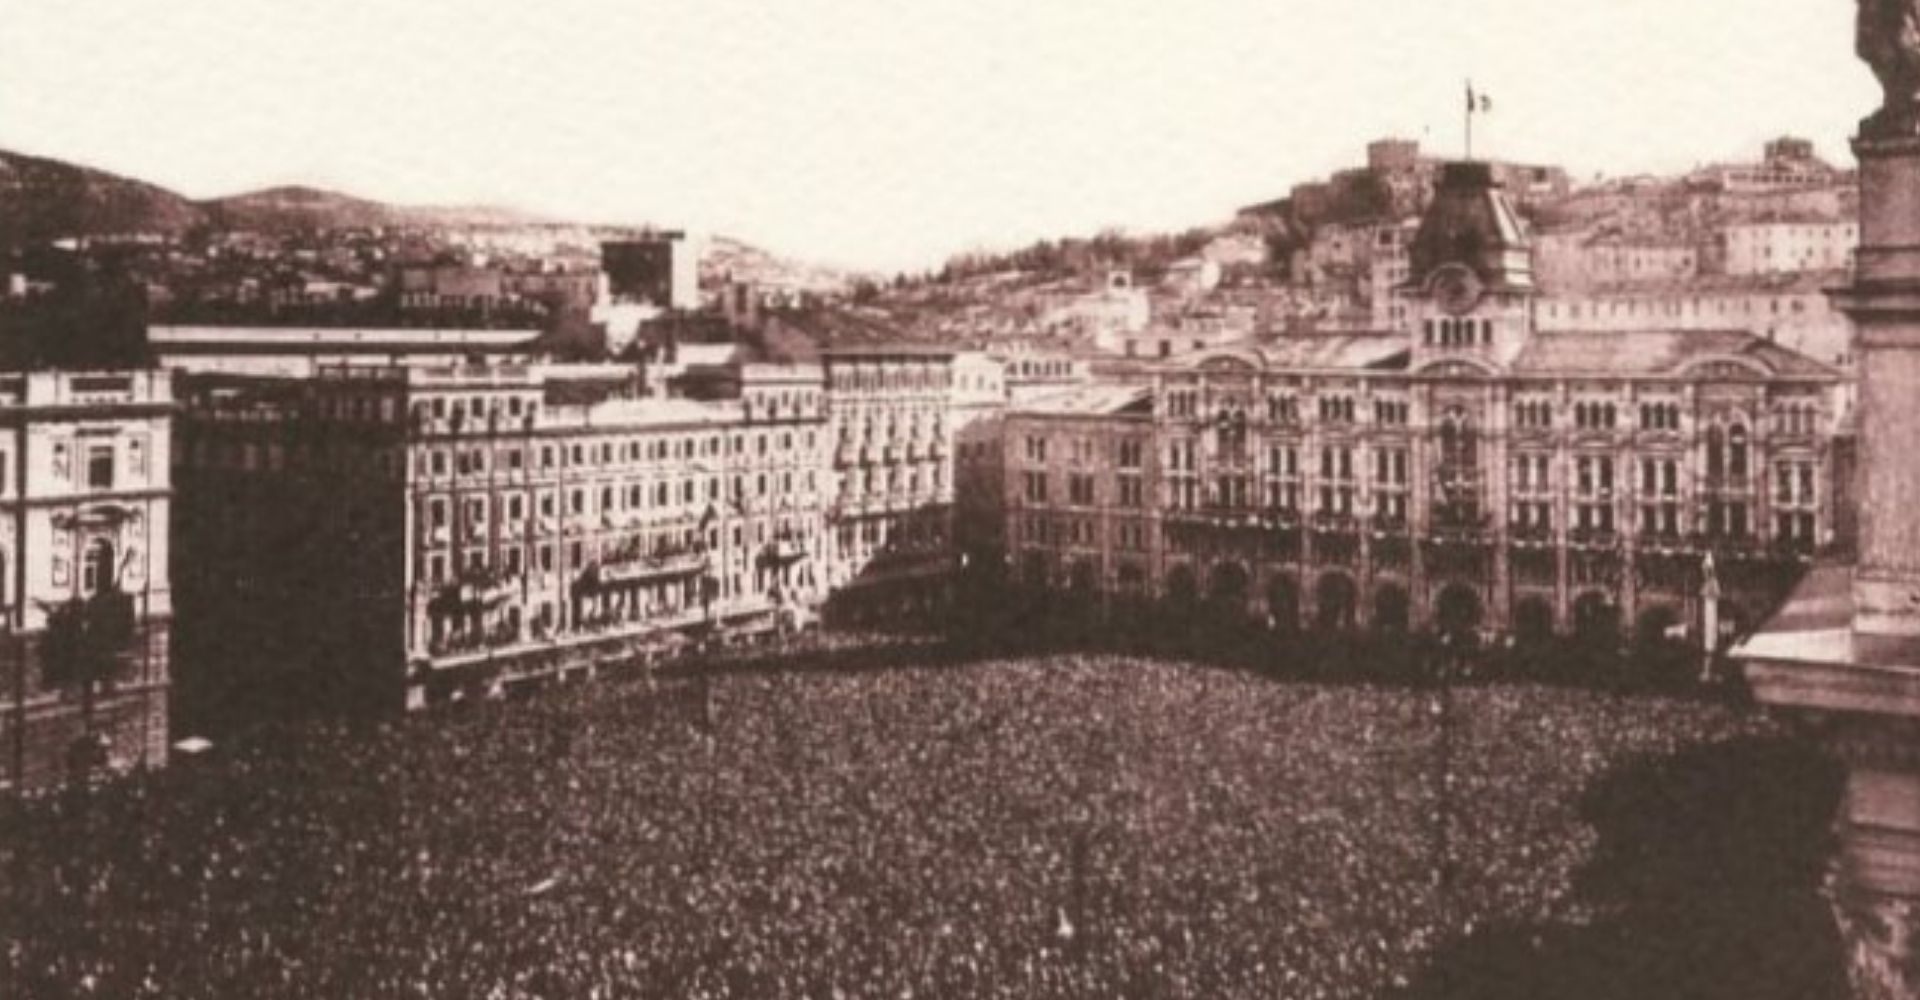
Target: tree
(83, 640)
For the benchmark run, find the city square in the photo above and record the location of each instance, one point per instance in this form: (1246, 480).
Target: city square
(1064, 825)
(993, 500)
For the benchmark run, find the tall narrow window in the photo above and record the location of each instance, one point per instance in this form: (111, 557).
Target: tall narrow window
(100, 467)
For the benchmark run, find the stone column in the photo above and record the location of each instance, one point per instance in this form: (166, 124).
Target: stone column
(1869, 683)
(1884, 304)
(1874, 886)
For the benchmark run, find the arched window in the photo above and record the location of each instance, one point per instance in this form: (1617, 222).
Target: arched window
(1737, 451)
(1716, 453)
(1456, 441)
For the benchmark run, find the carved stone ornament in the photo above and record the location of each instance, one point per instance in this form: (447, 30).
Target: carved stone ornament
(1878, 934)
(1887, 38)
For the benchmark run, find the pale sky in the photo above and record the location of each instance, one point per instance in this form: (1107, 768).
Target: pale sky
(889, 133)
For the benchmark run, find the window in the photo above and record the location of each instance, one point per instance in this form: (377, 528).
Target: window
(97, 570)
(1080, 489)
(100, 467)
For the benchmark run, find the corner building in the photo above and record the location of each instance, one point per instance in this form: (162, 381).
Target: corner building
(409, 534)
(85, 500)
(1468, 473)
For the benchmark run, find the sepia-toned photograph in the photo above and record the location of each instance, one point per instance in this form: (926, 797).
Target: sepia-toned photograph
(844, 500)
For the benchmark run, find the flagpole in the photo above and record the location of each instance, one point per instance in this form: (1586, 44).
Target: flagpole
(1469, 121)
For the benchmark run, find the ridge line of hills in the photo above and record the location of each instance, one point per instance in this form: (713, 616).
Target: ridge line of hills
(43, 199)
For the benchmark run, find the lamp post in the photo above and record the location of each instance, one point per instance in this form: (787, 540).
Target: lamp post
(18, 651)
(1709, 616)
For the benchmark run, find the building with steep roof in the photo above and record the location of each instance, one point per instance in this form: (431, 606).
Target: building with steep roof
(1470, 472)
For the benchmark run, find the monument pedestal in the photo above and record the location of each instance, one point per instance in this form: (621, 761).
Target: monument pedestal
(1846, 647)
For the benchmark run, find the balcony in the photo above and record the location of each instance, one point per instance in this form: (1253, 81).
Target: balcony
(1665, 542)
(1383, 525)
(640, 568)
(1451, 479)
(1531, 535)
(1335, 522)
(783, 552)
(1451, 527)
(1593, 538)
(476, 592)
(1726, 486)
(1727, 547)
(1217, 517)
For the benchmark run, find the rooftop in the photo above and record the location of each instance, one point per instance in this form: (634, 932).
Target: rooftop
(1808, 655)
(1089, 401)
(1657, 352)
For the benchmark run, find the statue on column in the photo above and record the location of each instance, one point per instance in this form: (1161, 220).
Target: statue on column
(1887, 38)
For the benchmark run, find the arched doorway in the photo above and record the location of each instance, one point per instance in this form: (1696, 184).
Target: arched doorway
(1227, 590)
(1333, 602)
(1082, 579)
(1033, 570)
(1532, 621)
(97, 569)
(1390, 606)
(1182, 589)
(1456, 613)
(1596, 620)
(1651, 627)
(1283, 603)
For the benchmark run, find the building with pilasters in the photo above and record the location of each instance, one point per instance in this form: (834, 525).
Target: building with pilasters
(1468, 473)
(391, 535)
(890, 420)
(85, 501)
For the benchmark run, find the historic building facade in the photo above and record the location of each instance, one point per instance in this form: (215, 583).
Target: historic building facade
(85, 498)
(410, 534)
(890, 421)
(1469, 473)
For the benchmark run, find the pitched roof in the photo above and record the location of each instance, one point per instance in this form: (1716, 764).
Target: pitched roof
(1329, 351)
(1656, 352)
(1088, 401)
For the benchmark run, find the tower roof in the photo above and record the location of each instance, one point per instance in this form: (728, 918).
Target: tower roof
(1471, 222)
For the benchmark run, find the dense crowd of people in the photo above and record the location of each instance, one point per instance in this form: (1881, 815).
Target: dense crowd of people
(1074, 825)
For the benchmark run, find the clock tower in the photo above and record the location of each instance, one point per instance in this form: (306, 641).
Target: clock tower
(1471, 276)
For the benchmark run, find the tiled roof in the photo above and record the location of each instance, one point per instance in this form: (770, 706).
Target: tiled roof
(1655, 352)
(1781, 283)
(1336, 351)
(1087, 401)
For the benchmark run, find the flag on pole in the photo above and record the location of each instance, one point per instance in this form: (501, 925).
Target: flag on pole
(1477, 102)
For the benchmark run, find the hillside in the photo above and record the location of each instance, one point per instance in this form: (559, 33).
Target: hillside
(43, 199)
(294, 208)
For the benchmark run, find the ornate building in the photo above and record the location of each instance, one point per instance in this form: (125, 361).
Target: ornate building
(410, 534)
(84, 511)
(1468, 473)
(890, 420)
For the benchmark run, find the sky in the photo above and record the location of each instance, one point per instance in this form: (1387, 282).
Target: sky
(888, 134)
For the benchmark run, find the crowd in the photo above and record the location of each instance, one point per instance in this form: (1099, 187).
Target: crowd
(1076, 825)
